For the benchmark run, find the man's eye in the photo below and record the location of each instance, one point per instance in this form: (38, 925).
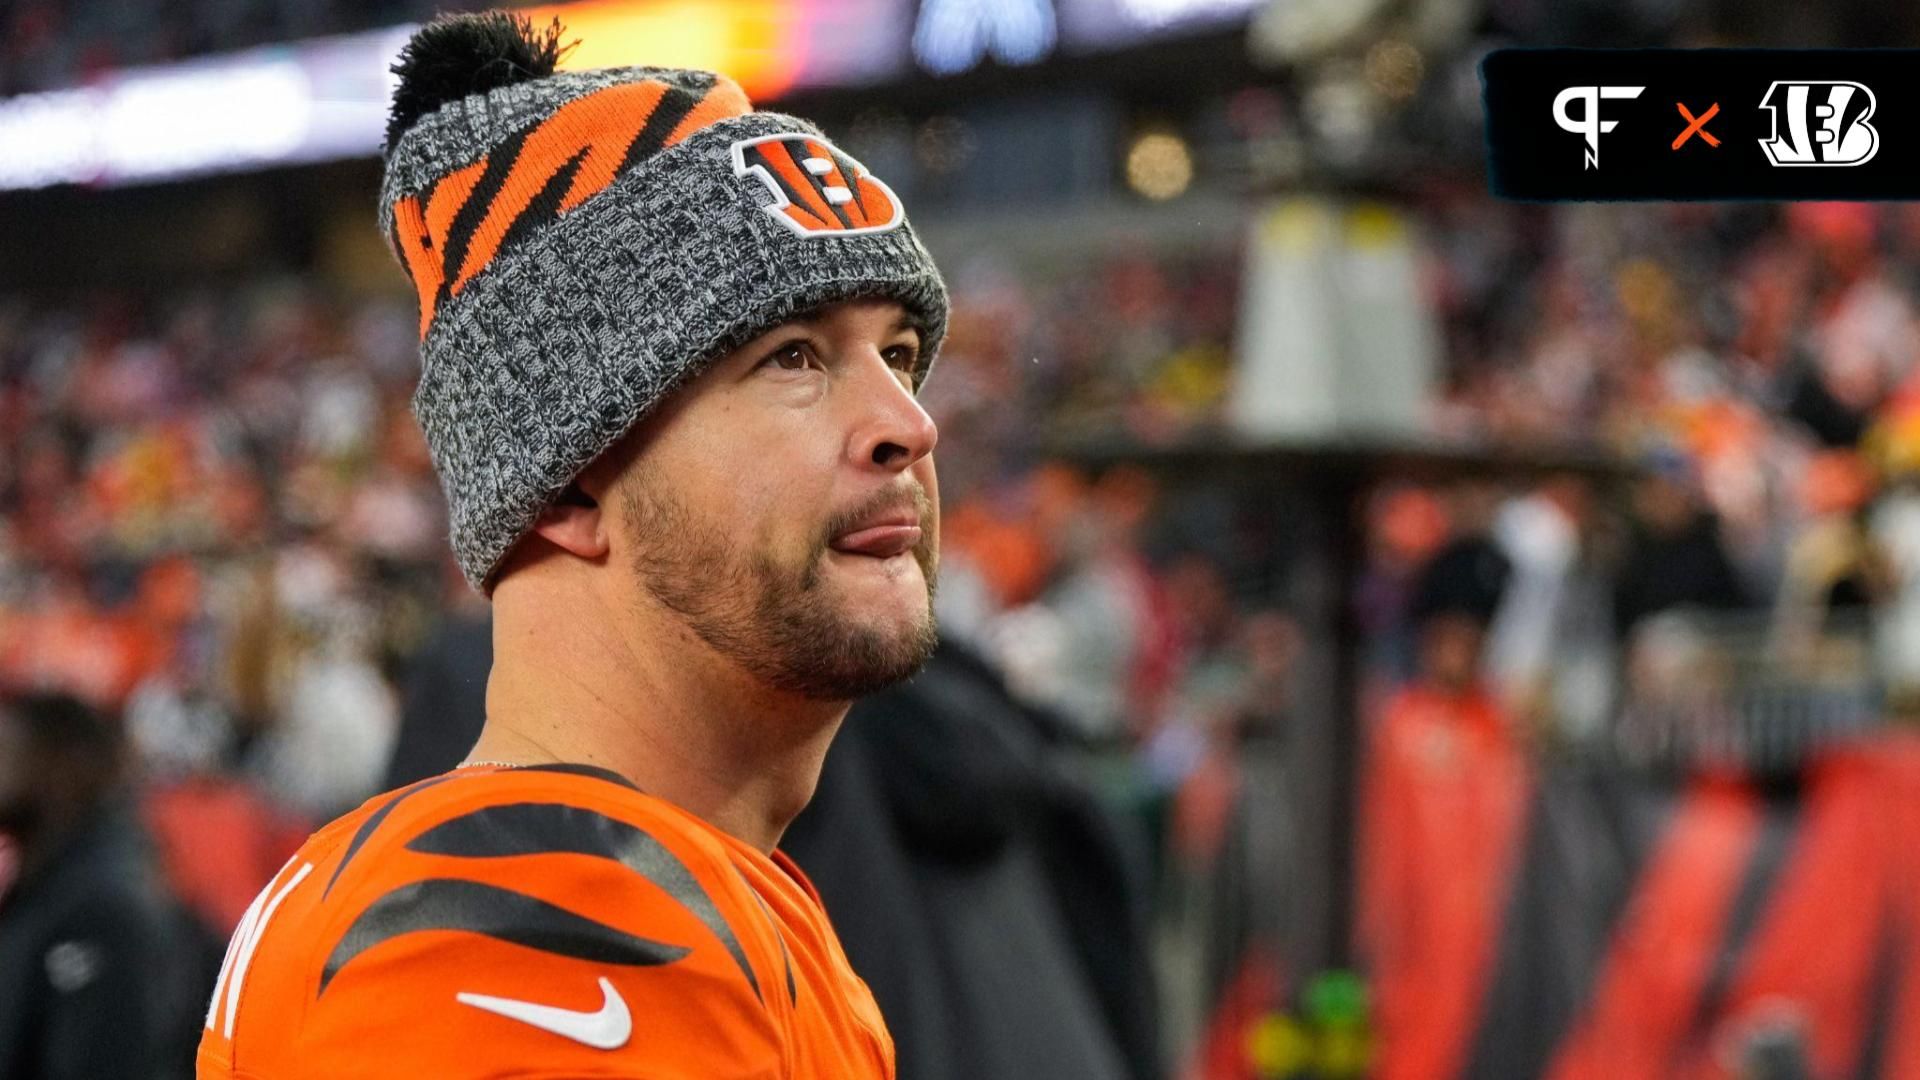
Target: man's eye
(901, 357)
(793, 356)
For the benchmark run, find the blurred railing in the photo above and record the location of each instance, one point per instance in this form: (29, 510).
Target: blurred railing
(1752, 693)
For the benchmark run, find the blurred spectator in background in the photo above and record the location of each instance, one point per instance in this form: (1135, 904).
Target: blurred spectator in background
(1894, 522)
(1228, 902)
(443, 689)
(1676, 556)
(91, 971)
(995, 907)
(1834, 565)
(1091, 643)
(1550, 649)
(217, 831)
(334, 712)
(1444, 796)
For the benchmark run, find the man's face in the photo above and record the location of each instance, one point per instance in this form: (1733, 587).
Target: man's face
(1450, 650)
(783, 505)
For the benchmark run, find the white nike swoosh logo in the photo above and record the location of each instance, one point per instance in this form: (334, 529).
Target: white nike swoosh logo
(604, 1029)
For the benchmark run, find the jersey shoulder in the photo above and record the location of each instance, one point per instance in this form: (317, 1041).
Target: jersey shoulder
(465, 823)
(489, 915)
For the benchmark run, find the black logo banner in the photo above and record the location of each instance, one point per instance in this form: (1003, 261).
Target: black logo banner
(1703, 123)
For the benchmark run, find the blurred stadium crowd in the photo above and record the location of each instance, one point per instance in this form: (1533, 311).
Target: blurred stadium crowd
(219, 513)
(48, 44)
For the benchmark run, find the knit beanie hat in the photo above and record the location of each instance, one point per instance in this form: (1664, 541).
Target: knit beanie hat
(584, 242)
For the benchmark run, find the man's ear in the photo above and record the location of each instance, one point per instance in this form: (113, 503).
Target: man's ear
(573, 522)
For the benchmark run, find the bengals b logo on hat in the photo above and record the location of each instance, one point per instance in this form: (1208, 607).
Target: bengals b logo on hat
(817, 189)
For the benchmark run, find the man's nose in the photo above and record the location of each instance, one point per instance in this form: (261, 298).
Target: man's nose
(891, 431)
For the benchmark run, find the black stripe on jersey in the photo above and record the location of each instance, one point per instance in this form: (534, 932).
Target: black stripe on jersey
(479, 908)
(540, 828)
(373, 821)
(793, 992)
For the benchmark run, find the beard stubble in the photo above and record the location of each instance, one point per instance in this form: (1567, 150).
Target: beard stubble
(775, 620)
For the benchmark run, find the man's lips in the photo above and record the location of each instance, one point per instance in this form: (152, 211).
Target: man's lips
(881, 538)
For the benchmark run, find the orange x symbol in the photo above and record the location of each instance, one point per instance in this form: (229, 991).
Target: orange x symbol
(1697, 125)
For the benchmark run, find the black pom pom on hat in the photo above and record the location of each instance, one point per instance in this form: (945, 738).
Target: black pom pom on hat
(470, 53)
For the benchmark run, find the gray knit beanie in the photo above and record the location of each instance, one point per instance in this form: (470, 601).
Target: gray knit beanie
(584, 242)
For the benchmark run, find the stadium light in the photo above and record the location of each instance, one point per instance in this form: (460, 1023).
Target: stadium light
(326, 98)
(1159, 165)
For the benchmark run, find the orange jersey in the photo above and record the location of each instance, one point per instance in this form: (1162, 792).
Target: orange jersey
(538, 922)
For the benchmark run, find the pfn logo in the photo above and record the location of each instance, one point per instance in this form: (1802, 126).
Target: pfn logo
(1826, 123)
(1589, 123)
